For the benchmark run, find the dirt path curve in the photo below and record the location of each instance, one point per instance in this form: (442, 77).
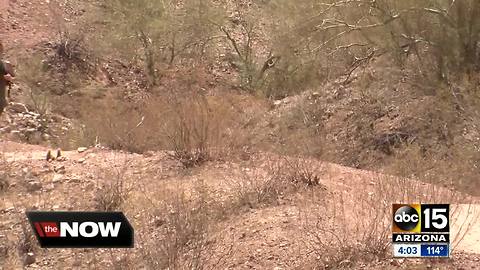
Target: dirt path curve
(13, 151)
(465, 218)
(465, 229)
(36, 155)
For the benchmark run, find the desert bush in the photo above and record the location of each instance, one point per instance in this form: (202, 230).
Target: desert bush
(26, 244)
(322, 41)
(5, 170)
(71, 54)
(182, 234)
(455, 167)
(114, 190)
(339, 239)
(273, 181)
(160, 34)
(301, 171)
(257, 187)
(34, 73)
(195, 129)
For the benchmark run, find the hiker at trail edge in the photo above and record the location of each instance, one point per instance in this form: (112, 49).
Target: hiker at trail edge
(6, 79)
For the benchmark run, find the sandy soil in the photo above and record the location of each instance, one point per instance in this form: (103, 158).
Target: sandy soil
(265, 238)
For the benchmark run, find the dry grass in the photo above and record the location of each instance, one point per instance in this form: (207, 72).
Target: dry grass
(345, 230)
(181, 232)
(275, 180)
(114, 189)
(195, 130)
(454, 167)
(5, 170)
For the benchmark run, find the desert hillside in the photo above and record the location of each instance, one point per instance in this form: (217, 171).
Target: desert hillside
(241, 134)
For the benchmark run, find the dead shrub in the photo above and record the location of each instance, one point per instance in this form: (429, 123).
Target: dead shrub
(454, 167)
(26, 245)
(195, 130)
(34, 74)
(121, 126)
(257, 187)
(114, 190)
(301, 171)
(5, 170)
(348, 228)
(267, 184)
(181, 234)
(72, 54)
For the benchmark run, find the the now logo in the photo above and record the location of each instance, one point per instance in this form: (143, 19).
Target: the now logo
(81, 229)
(76, 229)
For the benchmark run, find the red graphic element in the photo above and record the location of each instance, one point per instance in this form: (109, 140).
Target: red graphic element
(39, 229)
(47, 229)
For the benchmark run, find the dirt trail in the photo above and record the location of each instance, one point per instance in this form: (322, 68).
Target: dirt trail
(465, 230)
(37, 155)
(271, 225)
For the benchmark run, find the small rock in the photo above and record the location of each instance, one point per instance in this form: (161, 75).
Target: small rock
(277, 102)
(57, 178)
(6, 129)
(59, 169)
(50, 187)
(149, 154)
(81, 161)
(82, 149)
(34, 186)
(29, 258)
(34, 114)
(62, 158)
(74, 179)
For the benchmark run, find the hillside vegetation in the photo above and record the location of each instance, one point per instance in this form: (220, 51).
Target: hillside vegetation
(384, 85)
(213, 122)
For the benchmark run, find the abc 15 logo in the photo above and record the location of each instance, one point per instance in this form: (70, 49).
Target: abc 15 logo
(420, 218)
